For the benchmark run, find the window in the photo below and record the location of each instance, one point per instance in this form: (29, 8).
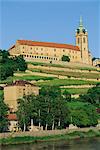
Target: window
(36, 48)
(31, 48)
(78, 40)
(41, 49)
(84, 40)
(63, 50)
(23, 47)
(54, 49)
(84, 48)
(55, 55)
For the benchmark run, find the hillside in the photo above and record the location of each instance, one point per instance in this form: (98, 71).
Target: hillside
(44, 74)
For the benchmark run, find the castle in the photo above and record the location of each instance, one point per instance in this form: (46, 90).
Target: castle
(48, 52)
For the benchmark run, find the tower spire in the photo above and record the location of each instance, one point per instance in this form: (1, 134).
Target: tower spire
(81, 22)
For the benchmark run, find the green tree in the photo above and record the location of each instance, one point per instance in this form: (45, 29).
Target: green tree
(9, 65)
(92, 96)
(66, 96)
(27, 111)
(3, 115)
(53, 110)
(82, 114)
(20, 63)
(65, 58)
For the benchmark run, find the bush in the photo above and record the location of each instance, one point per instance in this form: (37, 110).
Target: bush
(65, 58)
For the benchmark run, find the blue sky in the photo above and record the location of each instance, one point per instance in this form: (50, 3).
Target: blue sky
(52, 21)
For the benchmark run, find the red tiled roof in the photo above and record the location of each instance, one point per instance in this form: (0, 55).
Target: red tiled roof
(12, 117)
(48, 44)
(20, 83)
(12, 47)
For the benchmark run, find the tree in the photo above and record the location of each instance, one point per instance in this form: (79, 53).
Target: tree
(53, 110)
(27, 111)
(3, 115)
(9, 65)
(65, 58)
(92, 96)
(67, 95)
(21, 64)
(23, 112)
(82, 114)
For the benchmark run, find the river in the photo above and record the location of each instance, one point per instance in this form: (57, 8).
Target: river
(77, 144)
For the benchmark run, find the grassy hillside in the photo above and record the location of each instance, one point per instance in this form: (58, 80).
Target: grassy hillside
(66, 65)
(65, 82)
(76, 90)
(68, 73)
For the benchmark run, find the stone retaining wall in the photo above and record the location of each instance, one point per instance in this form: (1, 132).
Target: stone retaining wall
(46, 132)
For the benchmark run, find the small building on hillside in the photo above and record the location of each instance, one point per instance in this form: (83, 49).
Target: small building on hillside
(17, 90)
(13, 123)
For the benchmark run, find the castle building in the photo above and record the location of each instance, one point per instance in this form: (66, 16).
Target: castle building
(48, 52)
(17, 90)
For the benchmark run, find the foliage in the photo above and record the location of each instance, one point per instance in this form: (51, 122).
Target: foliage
(65, 58)
(47, 109)
(67, 96)
(82, 114)
(3, 115)
(9, 65)
(92, 96)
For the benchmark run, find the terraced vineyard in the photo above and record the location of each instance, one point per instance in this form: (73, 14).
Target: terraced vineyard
(58, 75)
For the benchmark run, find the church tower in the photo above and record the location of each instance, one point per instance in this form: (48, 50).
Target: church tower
(82, 42)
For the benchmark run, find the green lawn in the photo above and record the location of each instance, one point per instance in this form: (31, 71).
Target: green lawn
(68, 73)
(64, 82)
(32, 77)
(76, 91)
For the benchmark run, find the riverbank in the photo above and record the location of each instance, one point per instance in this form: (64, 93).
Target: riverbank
(35, 139)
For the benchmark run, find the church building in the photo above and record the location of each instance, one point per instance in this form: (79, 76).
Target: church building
(51, 52)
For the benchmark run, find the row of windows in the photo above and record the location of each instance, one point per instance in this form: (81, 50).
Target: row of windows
(46, 57)
(54, 50)
(40, 57)
(41, 54)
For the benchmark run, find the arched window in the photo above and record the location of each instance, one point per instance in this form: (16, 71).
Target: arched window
(84, 40)
(78, 40)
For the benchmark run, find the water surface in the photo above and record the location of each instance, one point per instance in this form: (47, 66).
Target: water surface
(77, 144)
